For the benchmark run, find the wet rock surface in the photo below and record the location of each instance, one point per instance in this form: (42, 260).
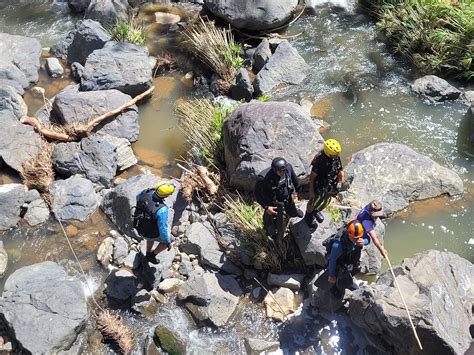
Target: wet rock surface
(384, 171)
(73, 198)
(253, 15)
(88, 35)
(434, 89)
(122, 66)
(257, 132)
(72, 107)
(437, 287)
(37, 296)
(11, 199)
(107, 12)
(19, 59)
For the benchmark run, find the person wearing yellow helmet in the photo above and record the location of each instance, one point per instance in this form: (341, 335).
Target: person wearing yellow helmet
(326, 173)
(343, 251)
(151, 218)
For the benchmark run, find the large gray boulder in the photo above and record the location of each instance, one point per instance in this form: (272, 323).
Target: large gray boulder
(73, 198)
(72, 107)
(257, 132)
(19, 59)
(199, 240)
(11, 102)
(210, 297)
(43, 308)
(255, 15)
(285, 67)
(89, 35)
(122, 66)
(107, 12)
(78, 6)
(396, 175)
(93, 157)
(11, 199)
(118, 203)
(434, 89)
(18, 143)
(437, 287)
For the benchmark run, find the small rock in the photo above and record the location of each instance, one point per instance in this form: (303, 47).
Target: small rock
(261, 55)
(169, 340)
(120, 251)
(256, 292)
(132, 260)
(159, 297)
(165, 18)
(170, 285)
(106, 251)
(54, 67)
(185, 268)
(77, 69)
(37, 213)
(3, 259)
(293, 282)
(283, 306)
(257, 346)
(185, 257)
(121, 285)
(144, 303)
(434, 89)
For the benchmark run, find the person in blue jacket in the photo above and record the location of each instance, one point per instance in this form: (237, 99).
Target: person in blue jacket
(151, 219)
(344, 250)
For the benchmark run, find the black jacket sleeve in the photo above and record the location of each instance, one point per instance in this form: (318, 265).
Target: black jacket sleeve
(260, 193)
(294, 178)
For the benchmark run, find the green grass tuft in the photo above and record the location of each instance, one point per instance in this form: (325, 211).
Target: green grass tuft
(131, 31)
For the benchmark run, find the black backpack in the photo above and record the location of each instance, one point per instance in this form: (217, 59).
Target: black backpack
(328, 242)
(144, 217)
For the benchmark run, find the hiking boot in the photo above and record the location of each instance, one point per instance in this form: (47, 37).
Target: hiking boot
(310, 220)
(151, 258)
(319, 216)
(336, 292)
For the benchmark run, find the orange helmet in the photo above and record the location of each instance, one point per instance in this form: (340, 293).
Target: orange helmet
(355, 229)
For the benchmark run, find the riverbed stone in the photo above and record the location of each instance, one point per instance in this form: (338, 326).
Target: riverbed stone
(89, 35)
(13, 84)
(93, 157)
(323, 298)
(285, 67)
(38, 296)
(37, 212)
(73, 198)
(396, 175)
(434, 89)
(118, 65)
(144, 303)
(169, 340)
(170, 285)
(255, 346)
(12, 105)
(254, 15)
(118, 203)
(437, 287)
(121, 285)
(71, 107)
(106, 251)
(107, 12)
(125, 156)
(78, 6)
(11, 199)
(242, 88)
(19, 59)
(281, 304)
(262, 55)
(293, 282)
(211, 297)
(3, 259)
(257, 132)
(120, 251)
(54, 67)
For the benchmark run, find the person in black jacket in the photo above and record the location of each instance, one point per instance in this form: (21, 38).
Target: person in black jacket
(273, 191)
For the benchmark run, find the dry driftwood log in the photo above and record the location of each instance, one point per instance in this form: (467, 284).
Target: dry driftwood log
(112, 327)
(199, 178)
(76, 133)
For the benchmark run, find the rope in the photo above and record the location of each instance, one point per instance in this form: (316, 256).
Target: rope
(80, 266)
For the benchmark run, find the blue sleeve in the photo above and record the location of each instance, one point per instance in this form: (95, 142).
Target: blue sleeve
(336, 252)
(162, 223)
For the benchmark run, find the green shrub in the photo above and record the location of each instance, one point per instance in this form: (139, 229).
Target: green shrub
(131, 31)
(436, 35)
(263, 98)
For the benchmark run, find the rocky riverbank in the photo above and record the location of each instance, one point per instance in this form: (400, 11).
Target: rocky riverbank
(210, 269)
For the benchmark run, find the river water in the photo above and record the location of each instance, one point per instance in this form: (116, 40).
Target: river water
(356, 86)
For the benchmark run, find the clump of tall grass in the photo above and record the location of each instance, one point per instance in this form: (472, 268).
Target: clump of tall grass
(217, 49)
(202, 121)
(436, 35)
(247, 218)
(131, 30)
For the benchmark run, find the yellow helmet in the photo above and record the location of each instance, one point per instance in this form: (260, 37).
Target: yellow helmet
(332, 148)
(164, 188)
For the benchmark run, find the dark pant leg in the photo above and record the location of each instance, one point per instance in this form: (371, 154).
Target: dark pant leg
(269, 222)
(290, 208)
(344, 278)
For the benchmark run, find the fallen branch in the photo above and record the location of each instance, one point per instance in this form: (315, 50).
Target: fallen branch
(84, 130)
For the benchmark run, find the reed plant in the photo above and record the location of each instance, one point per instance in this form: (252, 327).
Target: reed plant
(201, 122)
(216, 48)
(131, 30)
(437, 36)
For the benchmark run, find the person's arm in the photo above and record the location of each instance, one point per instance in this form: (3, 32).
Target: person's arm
(377, 243)
(336, 252)
(260, 195)
(312, 177)
(162, 224)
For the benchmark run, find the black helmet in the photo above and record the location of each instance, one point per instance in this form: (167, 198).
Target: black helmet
(278, 164)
